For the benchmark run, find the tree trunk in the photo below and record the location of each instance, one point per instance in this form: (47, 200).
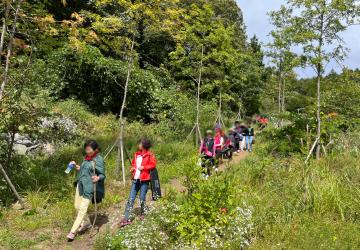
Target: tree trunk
(9, 51)
(318, 110)
(319, 69)
(5, 78)
(11, 185)
(279, 88)
(197, 132)
(283, 96)
(121, 120)
(4, 27)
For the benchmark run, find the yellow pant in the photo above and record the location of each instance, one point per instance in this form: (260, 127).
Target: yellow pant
(81, 206)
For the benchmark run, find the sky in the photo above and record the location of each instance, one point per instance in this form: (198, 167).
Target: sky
(257, 22)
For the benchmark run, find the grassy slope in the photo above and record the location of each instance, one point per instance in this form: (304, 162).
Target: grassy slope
(302, 207)
(295, 206)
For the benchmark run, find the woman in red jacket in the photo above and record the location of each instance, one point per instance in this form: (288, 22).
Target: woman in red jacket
(143, 162)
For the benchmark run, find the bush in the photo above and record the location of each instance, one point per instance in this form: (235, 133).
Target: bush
(167, 228)
(210, 216)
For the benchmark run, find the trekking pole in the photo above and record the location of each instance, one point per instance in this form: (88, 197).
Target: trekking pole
(94, 197)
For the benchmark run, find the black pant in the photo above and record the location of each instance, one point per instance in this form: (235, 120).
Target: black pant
(227, 152)
(207, 162)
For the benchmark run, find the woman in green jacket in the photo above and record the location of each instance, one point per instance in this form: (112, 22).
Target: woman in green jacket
(91, 175)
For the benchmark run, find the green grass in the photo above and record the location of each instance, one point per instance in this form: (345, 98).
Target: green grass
(10, 241)
(295, 206)
(309, 232)
(298, 206)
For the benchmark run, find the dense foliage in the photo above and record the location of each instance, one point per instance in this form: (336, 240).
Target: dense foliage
(64, 65)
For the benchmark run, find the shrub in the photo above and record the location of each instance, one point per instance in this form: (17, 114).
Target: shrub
(163, 228)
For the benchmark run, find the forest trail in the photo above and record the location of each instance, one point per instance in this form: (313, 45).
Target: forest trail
(108, 219)
(179, 187)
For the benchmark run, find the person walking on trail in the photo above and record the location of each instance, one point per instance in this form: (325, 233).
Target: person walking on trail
(249, 137)
(91, 172)
(143, 162)
(230, 143)
(239, 138)
(219, 141)
(207, 152)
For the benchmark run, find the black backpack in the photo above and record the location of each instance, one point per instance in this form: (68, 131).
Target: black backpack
(155, 184)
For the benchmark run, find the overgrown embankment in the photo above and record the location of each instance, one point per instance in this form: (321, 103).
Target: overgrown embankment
(268, 200)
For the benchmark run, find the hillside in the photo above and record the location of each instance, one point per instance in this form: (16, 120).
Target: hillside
(178, 75)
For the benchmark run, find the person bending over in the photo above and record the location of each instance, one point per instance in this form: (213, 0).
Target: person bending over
(143, 162)
(86, 179)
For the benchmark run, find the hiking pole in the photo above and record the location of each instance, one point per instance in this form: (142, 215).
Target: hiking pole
(94, 197)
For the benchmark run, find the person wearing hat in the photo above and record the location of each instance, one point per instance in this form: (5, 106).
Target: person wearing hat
(207, 152)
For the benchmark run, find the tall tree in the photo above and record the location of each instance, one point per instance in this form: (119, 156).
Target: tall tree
(280, 52)
(317, 26)
(5, 72)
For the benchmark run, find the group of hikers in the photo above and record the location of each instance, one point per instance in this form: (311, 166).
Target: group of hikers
(214, 148)
(91, 176)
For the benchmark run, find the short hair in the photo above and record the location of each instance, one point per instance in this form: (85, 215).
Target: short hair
(146, 143)
(236, 122)
(92, 144)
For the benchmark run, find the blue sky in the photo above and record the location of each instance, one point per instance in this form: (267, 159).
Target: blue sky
(257, 22)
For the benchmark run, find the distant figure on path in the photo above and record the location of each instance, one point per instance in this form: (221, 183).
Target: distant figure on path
(219, 141)
(207, 152)
(239, 137)
(249, 137)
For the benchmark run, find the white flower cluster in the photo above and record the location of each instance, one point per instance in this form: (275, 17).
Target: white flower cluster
(234, 235)
(140, 235)
(150, 233)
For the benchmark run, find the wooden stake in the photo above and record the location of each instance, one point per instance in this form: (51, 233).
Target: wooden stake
(219, 120)
(196, 128)
(198, 133)
(307, 138)
(11, 185)
(312, 149)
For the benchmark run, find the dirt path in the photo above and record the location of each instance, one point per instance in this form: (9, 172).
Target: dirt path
(237, 157)
(108, 218)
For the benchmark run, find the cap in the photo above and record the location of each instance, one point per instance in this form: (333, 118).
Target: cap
(209, 131)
